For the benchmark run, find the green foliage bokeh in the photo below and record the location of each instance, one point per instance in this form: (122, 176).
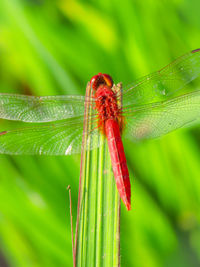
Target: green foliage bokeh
(55, 47)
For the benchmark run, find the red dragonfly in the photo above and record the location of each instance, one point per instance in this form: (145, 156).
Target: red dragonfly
(151, 107)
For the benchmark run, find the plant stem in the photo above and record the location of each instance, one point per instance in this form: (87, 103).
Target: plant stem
(98, 219)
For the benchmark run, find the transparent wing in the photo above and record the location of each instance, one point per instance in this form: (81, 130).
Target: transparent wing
(59, 138)
(40, 109)
(155, 120)
(165, 83)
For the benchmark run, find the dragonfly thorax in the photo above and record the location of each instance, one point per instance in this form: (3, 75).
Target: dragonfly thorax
(106, 105)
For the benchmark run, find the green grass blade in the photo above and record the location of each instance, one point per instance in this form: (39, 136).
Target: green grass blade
(97, 233)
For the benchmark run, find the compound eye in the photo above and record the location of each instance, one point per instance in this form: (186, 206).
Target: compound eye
(96, 81)
(93, 81)
(108, 80)
(101, 79)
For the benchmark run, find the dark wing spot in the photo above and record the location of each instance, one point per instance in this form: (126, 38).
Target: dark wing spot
(196, 50)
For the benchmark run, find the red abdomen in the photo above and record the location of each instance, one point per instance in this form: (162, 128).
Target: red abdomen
(118, 160)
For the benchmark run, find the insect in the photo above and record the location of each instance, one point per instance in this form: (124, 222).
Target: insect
(110, 123)
(151, 107)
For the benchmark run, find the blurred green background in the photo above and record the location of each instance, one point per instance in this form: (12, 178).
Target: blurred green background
(54, 47)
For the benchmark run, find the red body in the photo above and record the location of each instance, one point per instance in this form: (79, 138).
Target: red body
(118, 160)
(111, 124)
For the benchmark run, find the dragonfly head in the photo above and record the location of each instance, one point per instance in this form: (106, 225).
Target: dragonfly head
(99, 79)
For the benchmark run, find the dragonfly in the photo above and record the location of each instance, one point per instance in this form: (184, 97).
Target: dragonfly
(151, 107)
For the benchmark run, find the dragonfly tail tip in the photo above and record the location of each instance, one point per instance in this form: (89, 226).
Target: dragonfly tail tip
(128, 206)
